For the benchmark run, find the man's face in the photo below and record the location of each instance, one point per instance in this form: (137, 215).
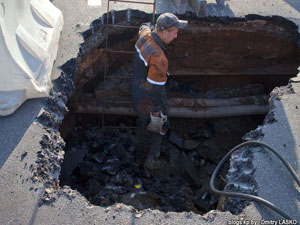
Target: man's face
(169, 34)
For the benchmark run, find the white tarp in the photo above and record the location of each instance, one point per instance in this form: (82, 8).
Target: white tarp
(29, 35)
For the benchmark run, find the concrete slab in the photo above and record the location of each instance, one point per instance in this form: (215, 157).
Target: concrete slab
(20, 142)
(274, 181)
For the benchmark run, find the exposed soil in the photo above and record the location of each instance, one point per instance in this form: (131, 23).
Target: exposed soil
(214, 58)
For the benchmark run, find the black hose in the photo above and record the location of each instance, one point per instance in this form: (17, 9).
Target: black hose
(247, 196)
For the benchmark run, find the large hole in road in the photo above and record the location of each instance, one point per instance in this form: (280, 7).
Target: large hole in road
(222, 72)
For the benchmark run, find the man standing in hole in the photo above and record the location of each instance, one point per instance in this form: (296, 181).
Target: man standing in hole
(150, 66)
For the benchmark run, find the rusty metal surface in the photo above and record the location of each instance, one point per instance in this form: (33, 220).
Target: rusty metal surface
(184, 112)
(185, 102)
(206, 103)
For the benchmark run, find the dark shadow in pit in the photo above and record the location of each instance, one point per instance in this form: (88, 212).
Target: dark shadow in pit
(13, 127)
(102, 165)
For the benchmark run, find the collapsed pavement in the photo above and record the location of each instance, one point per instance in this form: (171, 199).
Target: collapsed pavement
(105, 188)
(97, 163)
(119, 213)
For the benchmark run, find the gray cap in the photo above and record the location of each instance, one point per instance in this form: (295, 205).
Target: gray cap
(167, 20)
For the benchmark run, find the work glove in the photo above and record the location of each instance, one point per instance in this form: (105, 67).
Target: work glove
(144, 25)
(156, 123)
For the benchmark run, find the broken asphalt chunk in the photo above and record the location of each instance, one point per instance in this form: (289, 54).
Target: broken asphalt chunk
(174, 138)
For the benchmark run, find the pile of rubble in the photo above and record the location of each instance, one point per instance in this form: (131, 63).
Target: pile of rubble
(107, 171)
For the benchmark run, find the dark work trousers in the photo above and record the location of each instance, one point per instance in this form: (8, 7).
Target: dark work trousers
(147, 139)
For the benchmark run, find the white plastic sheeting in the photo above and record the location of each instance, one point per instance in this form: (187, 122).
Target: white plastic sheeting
(29, 35)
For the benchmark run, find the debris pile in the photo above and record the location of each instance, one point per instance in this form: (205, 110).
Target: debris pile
(102, 165)
(240, 179)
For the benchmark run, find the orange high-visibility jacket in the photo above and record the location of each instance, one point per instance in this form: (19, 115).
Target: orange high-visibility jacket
(150, 66)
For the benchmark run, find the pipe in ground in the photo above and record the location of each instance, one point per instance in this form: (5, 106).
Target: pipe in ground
(206, 103)
(184, 111)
